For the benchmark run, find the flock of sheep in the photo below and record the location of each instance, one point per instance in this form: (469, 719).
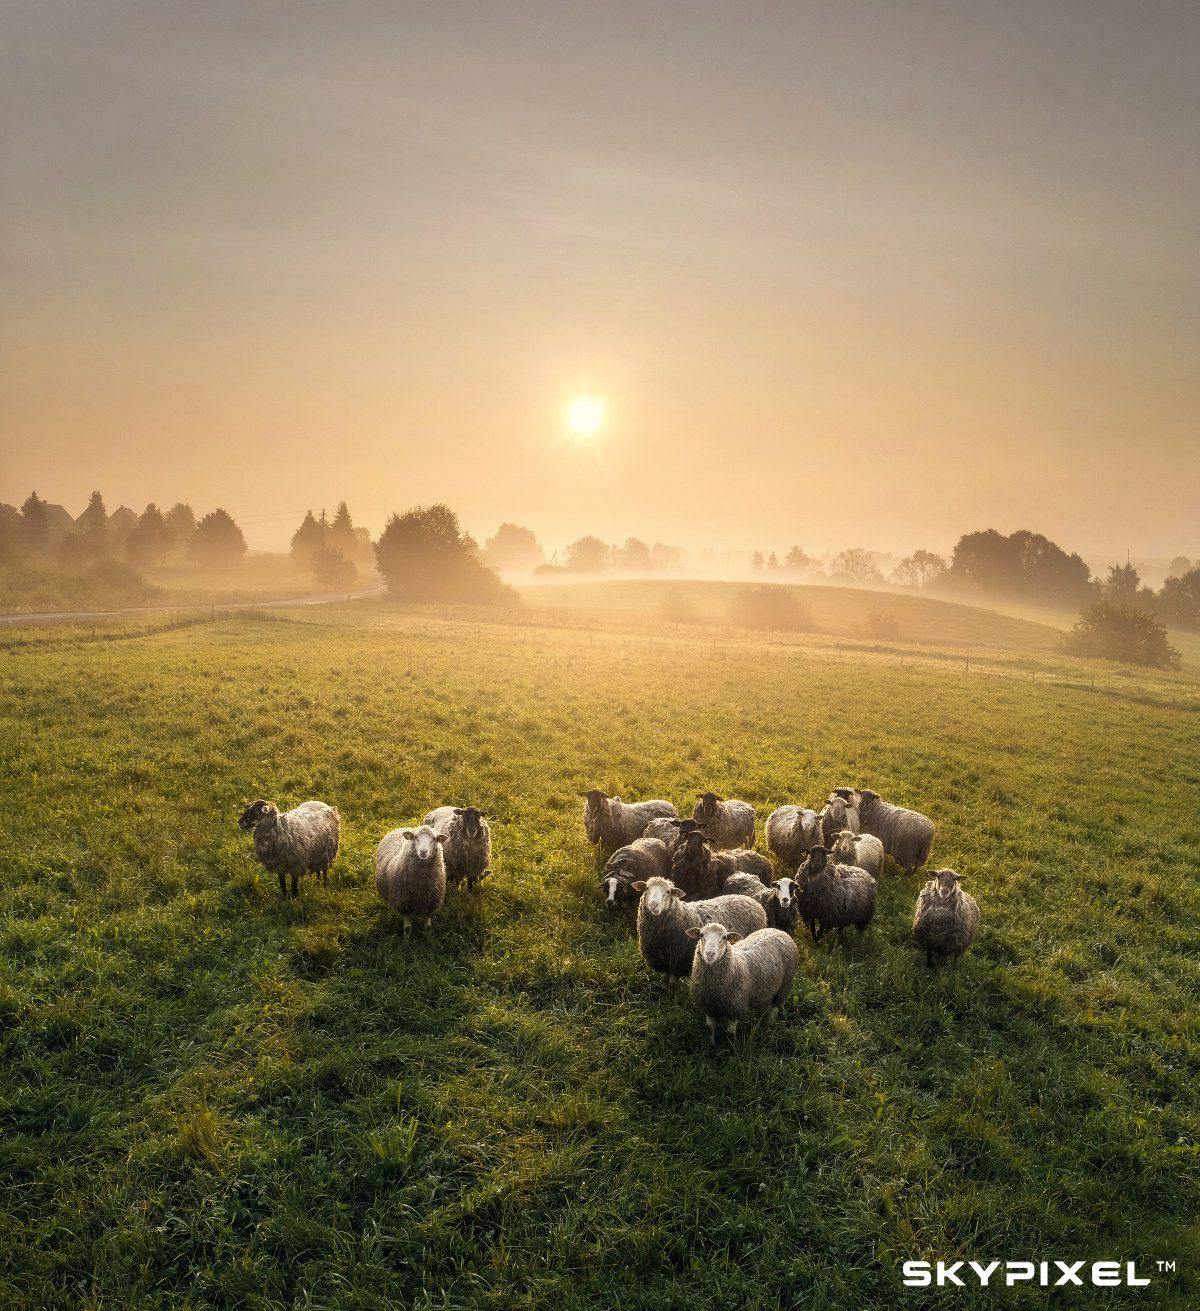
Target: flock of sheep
(709, 906)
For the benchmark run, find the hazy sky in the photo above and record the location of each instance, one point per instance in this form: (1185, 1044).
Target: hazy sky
(845, 272)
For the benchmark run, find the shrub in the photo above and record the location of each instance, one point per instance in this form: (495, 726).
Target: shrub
(678, 609)
(882, 625)
(770, 607)
(331, 568)
(1111, 632)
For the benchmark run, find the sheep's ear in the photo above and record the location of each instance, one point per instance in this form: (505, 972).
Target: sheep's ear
(407, 833)
(693, 933)
(639, 886)
(458, 810)
(677, 892)
(731, 938)
(440, 838)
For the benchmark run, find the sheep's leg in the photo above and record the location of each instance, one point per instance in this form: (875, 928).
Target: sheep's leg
(773, 1013)
(712, 1029)
(407, 925)
(731, 1029)
(282, 884)
(295, 883)
(428, 925)
(929, 960)
(325, 877)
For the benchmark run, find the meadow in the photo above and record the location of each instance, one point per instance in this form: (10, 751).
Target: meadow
(210, 1097)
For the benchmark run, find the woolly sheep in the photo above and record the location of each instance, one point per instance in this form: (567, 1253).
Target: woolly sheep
(646, 858)
(610, 823)
(781, 901)
(838, 813)
(861, 849)
(743, 884)
(468, 848)
(791, 830)
(906, 835)
(946, 918)
(701, 872)
(670, 831)
(300, 841)
(835, 896)
(727, 823)
(664, 917)
(410, 873)
(732, 973)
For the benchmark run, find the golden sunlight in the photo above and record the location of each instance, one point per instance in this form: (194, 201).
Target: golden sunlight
(585, 415)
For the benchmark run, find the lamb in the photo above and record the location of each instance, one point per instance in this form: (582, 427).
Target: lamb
(727, 823)
(946, 918)
(835, 896)
(781, 901)
(906, 835)
(664, 917)
(791, 830)
(610, 823)
(410, 873)
(838, 813)
(701, 872)
(861, 849)
(644, 859)
(300, 841)
(468, 848)
(732, 973)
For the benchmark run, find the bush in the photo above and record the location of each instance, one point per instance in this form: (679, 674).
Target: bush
(331, 568)
(678, 609)
(770, 607)
(424, 555)
(1111, 632)
(882, 625)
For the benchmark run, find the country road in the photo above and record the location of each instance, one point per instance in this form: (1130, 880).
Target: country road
(82, 616)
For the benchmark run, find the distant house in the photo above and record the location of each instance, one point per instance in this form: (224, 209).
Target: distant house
(61, 523)
(122, 522)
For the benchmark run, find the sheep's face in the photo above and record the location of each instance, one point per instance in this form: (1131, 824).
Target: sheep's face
(785, 891)
(708, 805)
(425, 840)
(656, 894)
(945, 884)
(615, 888)
(254, 813)
(712, 942)
(835, 808)
(849, 795)
(693, 844)
(843, 845)
(597, 802)
(817, 859)
(472, 821)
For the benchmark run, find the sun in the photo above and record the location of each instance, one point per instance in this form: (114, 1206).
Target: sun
(585, 415)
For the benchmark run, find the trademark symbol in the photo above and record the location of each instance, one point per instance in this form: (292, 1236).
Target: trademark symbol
(1166, 1267)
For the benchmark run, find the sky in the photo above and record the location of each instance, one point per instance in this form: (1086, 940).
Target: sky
(843, 273)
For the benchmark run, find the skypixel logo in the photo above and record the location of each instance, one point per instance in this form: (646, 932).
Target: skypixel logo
(1011, 1274)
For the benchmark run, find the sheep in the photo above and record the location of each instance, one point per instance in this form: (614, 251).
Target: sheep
(727, 823)
(906, 835)
(410, 873)
(663, 920)
(791, 830)
(468, 848)
(670, 831)
(732, 973)
(946, 918)
(838, 813)
(781, 901)
(300, 841)
(610, 823)
(861, 849)
(835, 896)
(743, 883)
(701, 872)
(646, 858)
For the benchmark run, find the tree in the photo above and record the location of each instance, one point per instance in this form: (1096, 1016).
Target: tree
(35, 522)
(151, 538)
(757, 561)
(1180, 566)
(181, 524)
(856, 565)
(513, 549)
(424, 555)
(217, 540)
(666, 557)
(332, 568)
(588, 555)
(307, 540)
(921, 569)
(796, 561)
(1114, 632)
(92, 528)
(1122, 583)
(634, 556)
(12, 545)
(772, 562)
(1024, 564)
(1179, 600)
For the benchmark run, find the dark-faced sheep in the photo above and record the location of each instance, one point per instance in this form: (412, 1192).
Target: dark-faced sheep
(468, 846)
(670, 831)
(946, 917)
(644, 859)
(861, 849)
(300, 841)
(410, 873)
(727, 823)
(701, 872)
(791, 831)
(664, 917)
(835, 897)
(610, 823)
(732, 974)
(906, 835)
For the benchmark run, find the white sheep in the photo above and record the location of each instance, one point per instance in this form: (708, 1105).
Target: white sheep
(611, 823)
(410, 873)
(664, 917)
(731, 974)
(861, 849)
(726, 823)
(791, 831)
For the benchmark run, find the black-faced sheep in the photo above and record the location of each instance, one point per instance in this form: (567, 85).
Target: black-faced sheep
(791, 831)
(610, 823)
(906, 835)
(410, 873)
(664, 917)
(726, 823)
(670, 831)
(644, 859)
(295, 842)
(861, 849)
(701, 872)
(732, 974)
(946, 917)
(835, 897)
(468, 847)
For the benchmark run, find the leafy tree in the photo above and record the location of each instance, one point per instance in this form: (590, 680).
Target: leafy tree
(634, 556)
(424, 555)
(921, 569)
(1122, 583)
(332, 568)
(666, 557)
(1023, 564)
(92, 528)
(796, 561)
(588, 555)
(513, 549)
(856, 565)
(1114, 632)
(1179, 600)
(307, 540)
(71, 552)
(150, 539)
(35, 522)
(757, 561)
(772, 562)
(217, 540)
(1180, 566)
(181, 524)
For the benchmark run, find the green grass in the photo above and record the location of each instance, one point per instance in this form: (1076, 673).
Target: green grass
(210, 1098)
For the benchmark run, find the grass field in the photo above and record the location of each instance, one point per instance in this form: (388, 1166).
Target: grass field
(210, 1098)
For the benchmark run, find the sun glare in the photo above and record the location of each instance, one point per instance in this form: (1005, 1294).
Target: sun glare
(585, 416)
